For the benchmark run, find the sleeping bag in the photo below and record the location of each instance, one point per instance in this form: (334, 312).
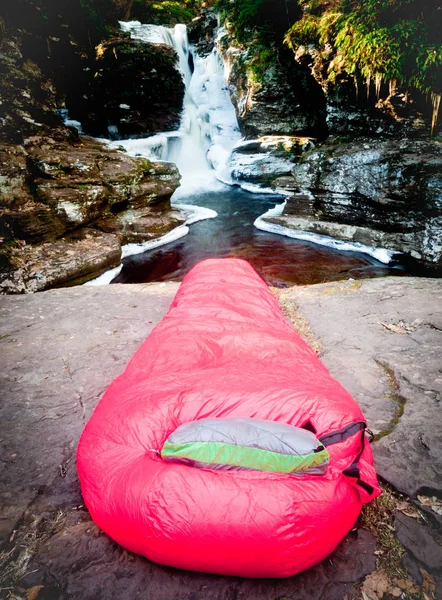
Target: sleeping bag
(226, 446)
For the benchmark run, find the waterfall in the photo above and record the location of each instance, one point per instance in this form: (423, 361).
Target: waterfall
(209, 129)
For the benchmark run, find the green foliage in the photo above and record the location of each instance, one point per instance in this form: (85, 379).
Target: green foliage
(165, 12)
(269, 19)
(396, 40)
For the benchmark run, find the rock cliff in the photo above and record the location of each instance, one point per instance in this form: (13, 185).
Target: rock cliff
(380, 193)
(67, 208)
(68, 202)
(134, 89)
(356, 166)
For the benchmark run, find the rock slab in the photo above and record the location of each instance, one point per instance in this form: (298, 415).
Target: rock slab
(61, 348)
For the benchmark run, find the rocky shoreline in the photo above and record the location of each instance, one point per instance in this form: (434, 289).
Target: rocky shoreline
(68, 202)
(68, 209)
(380, 338)
(360, 172)
(364, 171)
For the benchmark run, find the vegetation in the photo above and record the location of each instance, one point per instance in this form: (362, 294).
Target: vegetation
(375, 41)
(395, 41)
(258, 26)
(166, 12)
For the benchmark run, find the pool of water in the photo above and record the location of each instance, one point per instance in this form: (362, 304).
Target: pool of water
(280, 260)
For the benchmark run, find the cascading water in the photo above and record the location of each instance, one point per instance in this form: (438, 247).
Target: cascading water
(209, 128)
(201, 148)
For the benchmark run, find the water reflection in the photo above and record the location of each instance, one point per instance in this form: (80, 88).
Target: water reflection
(281, 261)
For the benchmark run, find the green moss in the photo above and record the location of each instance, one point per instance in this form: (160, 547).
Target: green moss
(392, 394)
(375, 41)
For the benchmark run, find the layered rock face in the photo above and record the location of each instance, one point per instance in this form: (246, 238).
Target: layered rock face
(67, 208)
(365, 110)
(68, 203)
(381, 193)
(376, 179)
(275, 96)
(284, 100)
(136, 90)
(260, 161)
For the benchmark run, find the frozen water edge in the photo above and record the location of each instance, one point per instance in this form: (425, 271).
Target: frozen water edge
(193, 213)
(381, 254)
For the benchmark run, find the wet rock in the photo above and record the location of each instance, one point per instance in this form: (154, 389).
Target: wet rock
(283, 100)
(141, 225)
(81, 181)
(68, 261)
(201, 32)
(53, 190)
(385, 193)
(261, 160)
(147, 91)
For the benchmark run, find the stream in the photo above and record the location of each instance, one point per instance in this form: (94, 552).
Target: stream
(280, 260)
(201, 148)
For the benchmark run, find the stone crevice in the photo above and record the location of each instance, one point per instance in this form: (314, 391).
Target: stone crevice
(393, 394)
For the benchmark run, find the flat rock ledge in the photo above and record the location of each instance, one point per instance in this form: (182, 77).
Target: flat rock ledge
(61, 348)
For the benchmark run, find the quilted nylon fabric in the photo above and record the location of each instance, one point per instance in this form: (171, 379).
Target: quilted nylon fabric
(224, 349)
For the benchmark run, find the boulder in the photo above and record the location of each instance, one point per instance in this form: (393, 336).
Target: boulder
(260, 160)
(382, 193)
(64, 262)
(201, 31)
(64, 186)
(142, 224)
(282, 98)
(54, 192)
(136, 89)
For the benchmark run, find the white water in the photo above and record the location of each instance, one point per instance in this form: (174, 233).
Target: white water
(202, 146)
(209, 128)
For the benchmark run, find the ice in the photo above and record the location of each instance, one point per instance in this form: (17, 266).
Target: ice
(209, 127)
(192, 212)
(381, 254)
(106, 277)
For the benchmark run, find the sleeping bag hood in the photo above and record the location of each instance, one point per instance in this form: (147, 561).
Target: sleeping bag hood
(226, 446)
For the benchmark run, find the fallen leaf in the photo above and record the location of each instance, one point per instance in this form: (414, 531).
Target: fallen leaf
(428, 584)
(408, 510)
(375, 585)
(432, 502)
(33, 592)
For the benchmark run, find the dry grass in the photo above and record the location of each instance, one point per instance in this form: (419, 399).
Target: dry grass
(390, 580)
(296, 318)
(378, 517)
(32, 532)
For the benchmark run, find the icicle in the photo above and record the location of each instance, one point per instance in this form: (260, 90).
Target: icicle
(378, 83)
(368, 83)
(435, 99)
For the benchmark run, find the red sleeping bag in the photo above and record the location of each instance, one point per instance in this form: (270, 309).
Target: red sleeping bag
(224, 350)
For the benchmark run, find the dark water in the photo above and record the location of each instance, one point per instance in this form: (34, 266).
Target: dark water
(281, 261)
